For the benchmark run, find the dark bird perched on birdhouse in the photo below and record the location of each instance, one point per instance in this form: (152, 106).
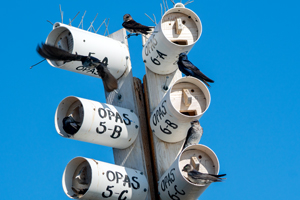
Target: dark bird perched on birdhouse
(133, 27)
(53, 53)
(201, 178)
(186, 67)
(70, 125)
(194, 134)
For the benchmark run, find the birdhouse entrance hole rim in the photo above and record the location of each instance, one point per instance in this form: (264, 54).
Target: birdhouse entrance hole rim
(181, 12)
(189, 112)
(62, 38)
(206, 151)
(68, 176)
(69, 105)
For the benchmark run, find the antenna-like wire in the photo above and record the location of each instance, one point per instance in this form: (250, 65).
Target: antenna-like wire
(154, 19)
(167, 5)
(61, 14)
(151, 19)
(164, 6)
(37, 63)
(81, 22)
(73, 18)
(101, 25)
(188, 2)
(172, 2)
(49, 22)
(92, 22)
(106, 27)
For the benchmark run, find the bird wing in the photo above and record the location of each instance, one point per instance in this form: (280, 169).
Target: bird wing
(68, 127)
(134, 25)
(74, 125)
(197, 175)
(54, 53)
(194, 70)
(189, 133)
(218, 176)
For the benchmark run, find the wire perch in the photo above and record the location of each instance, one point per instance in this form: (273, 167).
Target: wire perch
(50, 22)
(188, 2)
(37, 64)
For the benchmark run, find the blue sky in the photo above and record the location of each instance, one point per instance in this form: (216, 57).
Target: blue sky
(250, 49)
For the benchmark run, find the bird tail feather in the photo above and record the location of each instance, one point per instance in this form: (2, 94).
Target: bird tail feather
(110, 83)
(54, 53)
(220, 175)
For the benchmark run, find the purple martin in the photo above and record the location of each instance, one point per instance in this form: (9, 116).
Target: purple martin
(194, 134)
(186, 67)
(81, 181)
(70, 126)
(110, 83)
(82, 176)
(133, 27)
(78, 192)
(201, 178)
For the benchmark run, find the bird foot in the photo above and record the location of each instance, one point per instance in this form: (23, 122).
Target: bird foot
(131, 34)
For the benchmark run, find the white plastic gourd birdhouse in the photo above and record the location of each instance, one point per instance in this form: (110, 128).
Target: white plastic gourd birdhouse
(175, 184)
(177, 32)
(97, 123)
(186, 101)
(89, 179)
(75, 40)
